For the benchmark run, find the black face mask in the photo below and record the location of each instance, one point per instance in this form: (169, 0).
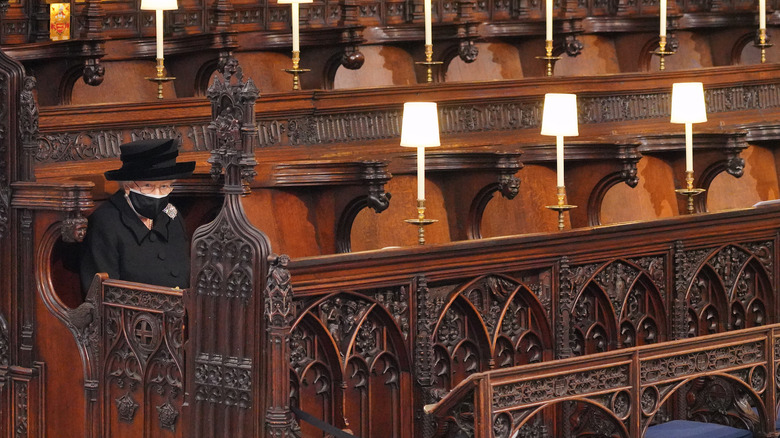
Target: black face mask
(147, 206)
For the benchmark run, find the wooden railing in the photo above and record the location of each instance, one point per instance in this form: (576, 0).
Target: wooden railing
(625, 391)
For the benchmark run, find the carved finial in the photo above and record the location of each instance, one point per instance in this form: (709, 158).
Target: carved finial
(233, 130)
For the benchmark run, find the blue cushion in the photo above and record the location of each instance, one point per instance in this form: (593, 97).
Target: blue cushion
(695, 429)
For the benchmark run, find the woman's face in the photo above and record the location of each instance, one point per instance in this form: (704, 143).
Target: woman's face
(159, 188)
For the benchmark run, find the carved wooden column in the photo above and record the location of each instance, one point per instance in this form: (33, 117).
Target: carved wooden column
(226, 384)
(424, 356)
(92, 49)
(279, 315)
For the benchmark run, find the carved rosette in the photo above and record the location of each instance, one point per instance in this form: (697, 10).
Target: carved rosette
(167, 415)
(126, 407)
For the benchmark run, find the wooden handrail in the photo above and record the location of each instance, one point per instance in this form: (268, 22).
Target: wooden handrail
(577, 378)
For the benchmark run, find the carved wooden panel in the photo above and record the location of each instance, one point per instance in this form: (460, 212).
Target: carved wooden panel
(142, 377)
(492, 321)
(732, 288)
(515, 109)
(353, 348)
(617, 304)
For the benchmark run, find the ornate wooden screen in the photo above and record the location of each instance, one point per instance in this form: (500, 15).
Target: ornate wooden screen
(520, 302)
(621, 393)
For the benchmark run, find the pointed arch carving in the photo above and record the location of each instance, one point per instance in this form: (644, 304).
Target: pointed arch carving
(491, 321)
(618, 304)
(726, 409)
(349, 346)
(580, 417)
(731, 289)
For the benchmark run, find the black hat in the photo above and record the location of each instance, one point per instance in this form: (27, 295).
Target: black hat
(150, 160)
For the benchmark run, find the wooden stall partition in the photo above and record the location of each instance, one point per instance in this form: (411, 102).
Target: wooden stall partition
(237, 365)
(141, 383)
(23, 374)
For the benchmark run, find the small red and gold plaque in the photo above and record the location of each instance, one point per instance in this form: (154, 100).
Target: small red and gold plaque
(59, 21)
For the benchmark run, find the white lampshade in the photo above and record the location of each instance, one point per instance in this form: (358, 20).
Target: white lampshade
(688, 103)
(289, 2)
(420, 125)
(159, 5)
(559, 116)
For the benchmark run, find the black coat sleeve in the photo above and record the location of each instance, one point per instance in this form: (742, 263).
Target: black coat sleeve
(100, 249)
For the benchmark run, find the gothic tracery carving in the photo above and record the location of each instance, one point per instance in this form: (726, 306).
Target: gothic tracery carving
(5, 352)
(223, 380)
(579, 383)
(396, 303)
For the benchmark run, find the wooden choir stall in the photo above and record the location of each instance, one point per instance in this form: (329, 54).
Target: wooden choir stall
(310, 294)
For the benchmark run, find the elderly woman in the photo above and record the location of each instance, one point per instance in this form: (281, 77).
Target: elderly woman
(137, 235)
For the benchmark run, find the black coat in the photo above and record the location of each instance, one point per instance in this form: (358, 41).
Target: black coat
(118, 243)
